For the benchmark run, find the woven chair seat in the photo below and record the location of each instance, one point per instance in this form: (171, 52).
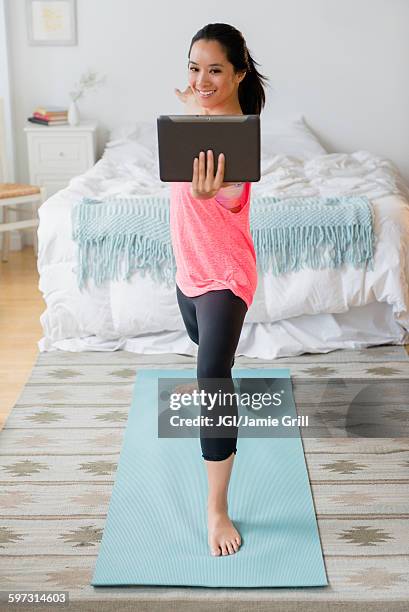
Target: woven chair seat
(14, 190)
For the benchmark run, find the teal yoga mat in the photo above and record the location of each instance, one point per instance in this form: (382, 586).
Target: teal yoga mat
(156, 527)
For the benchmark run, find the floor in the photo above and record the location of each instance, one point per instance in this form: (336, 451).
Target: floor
(21, 305)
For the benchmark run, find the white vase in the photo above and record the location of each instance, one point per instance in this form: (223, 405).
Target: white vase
(73, 114)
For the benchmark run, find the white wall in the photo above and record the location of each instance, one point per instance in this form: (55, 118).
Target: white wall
(344, 64)
(7, 170)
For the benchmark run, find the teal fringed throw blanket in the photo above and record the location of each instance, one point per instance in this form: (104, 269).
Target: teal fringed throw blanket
(117, 236)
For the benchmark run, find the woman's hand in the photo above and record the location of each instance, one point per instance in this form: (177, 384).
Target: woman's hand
(189, 100)
(204, 184)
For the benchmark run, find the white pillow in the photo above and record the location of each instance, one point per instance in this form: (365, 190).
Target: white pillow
(287, 136)
(144, 132)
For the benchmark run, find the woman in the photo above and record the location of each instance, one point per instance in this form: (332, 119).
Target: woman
(216, 274)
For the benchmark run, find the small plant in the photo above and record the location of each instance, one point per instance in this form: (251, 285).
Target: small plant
(87, 81)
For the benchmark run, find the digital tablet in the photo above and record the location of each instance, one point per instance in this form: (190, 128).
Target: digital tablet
(182, 137)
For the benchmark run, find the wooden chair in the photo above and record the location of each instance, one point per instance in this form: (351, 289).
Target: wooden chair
(13, 195)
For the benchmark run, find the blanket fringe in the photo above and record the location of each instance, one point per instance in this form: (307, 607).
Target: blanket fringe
(117, 238)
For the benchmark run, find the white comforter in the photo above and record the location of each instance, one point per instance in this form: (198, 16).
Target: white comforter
(121, 310)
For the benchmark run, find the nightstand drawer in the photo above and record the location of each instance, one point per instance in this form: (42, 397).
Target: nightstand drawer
(60, 152)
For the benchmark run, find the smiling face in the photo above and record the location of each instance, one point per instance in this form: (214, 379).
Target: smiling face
(210, 71)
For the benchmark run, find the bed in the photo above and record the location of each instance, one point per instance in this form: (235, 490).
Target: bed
(293, 313)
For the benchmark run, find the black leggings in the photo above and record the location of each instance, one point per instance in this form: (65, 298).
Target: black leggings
(216, 318)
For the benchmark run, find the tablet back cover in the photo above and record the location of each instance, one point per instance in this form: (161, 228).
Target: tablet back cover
(182, 137)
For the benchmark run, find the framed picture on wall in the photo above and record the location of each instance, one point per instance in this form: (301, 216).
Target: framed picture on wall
(51, 22)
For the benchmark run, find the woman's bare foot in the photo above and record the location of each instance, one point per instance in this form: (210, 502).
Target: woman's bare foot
(223, 537)
(186, 388)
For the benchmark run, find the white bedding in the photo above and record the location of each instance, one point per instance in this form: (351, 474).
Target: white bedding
(351, 307)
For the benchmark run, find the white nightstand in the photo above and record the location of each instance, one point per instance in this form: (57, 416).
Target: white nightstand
(58, 153)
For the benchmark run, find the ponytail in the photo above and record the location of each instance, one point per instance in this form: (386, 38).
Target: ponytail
(252, 97)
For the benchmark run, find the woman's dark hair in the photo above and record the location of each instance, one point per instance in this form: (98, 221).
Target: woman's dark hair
(251, 89)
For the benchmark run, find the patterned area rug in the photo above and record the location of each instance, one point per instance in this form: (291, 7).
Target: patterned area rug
(59, 453)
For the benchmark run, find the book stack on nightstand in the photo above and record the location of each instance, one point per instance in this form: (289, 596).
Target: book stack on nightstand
(57, 154)
(50, 115)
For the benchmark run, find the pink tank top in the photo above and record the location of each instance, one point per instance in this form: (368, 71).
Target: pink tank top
(213, 247)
